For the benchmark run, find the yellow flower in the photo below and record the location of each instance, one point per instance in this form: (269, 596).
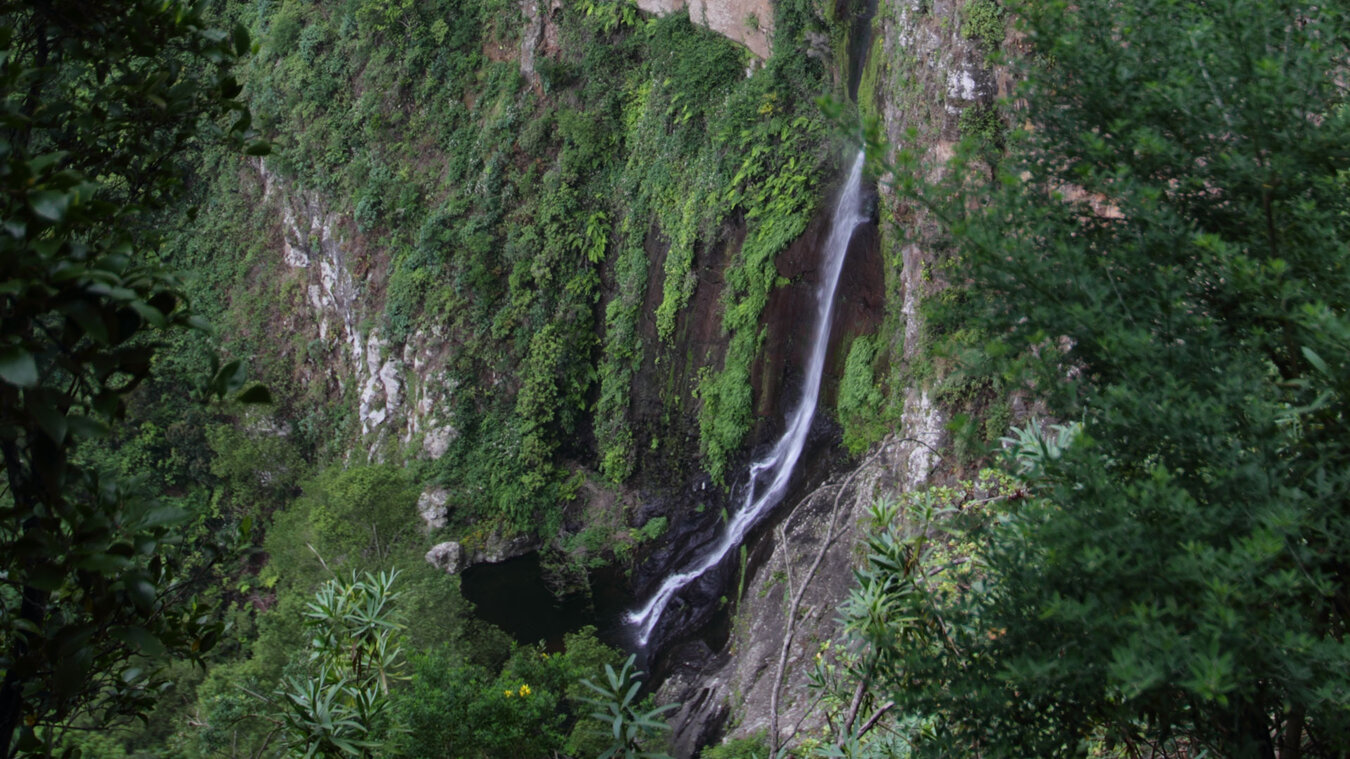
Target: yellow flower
(525, 691)
(508, 693)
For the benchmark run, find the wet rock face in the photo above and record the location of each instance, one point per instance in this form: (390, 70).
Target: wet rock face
(788, 614)
(701, 713)
(805, 564)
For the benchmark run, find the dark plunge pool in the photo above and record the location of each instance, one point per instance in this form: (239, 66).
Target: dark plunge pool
(514, 596)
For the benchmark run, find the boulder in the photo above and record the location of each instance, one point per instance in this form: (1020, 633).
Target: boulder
(447, 556)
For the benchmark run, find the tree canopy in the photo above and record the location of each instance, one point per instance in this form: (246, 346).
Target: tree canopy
(1161, 258)
(97, 102)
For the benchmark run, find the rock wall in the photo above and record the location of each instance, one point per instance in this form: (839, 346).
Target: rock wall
(790, 605)
(925, 73)
(402, 398)
(749, 22)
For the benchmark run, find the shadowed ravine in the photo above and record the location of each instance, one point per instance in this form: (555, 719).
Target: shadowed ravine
(767, 479)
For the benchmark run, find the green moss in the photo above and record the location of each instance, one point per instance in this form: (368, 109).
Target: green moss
(982, 20)
(982, 124)
(860, 400)
(871, 83)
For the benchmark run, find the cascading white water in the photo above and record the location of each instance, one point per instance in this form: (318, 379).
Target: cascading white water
(778, 465)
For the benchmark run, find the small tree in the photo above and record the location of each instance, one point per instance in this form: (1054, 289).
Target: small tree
(632, 727)
(341, 709)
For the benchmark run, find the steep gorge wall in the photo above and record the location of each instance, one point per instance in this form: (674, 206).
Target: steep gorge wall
(507, 255)
(406, 388)
(923, 70)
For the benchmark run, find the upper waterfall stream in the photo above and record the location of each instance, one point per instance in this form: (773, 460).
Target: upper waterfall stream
(774, 471)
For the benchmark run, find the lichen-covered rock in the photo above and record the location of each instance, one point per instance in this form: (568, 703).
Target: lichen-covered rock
(401, 396)
(431, 507)
(452, 557)
(447, 557)
(498, 548)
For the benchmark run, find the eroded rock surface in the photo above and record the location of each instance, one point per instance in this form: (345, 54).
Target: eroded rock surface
(811, 561)
(403, 396)
(451, 556)
(431, 506)
(749, 22)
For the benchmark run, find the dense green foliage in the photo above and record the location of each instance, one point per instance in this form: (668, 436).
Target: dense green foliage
(514, 217)
(983, 20)
(98, 593)
(340, 705)
(534, 706)
(860, 400)
(507, 215)
(1162, 256)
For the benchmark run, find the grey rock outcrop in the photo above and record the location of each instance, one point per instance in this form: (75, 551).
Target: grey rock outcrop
(402, 390)
(749, 22)
(450, 556)
(431, 506)
(447, 557)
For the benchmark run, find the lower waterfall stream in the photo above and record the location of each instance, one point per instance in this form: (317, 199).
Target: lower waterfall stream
(768, 478)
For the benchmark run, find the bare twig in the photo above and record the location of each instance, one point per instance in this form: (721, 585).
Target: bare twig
(796, 599)
(323, 563)
(853, 707)
(875, 718)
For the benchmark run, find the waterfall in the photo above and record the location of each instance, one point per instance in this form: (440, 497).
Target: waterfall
(775, 468)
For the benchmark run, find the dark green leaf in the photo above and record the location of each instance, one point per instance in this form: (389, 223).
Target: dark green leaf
(103, 563)
(17, 366)
(162, 515)
(229, 87)
(89, 318)
(86, 428)
(149, 313)
(139, 638)
(51, 205)
(46, 577)
(50, 418)
(229, 378)
(1317, 362)
(142, 594)
(240, 38)
(72, 669)
(46, 161)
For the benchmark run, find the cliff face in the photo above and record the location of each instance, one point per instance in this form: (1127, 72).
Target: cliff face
(749, 22)
(502, 294)
(521, 251)
(922, 72)
(403, 395)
